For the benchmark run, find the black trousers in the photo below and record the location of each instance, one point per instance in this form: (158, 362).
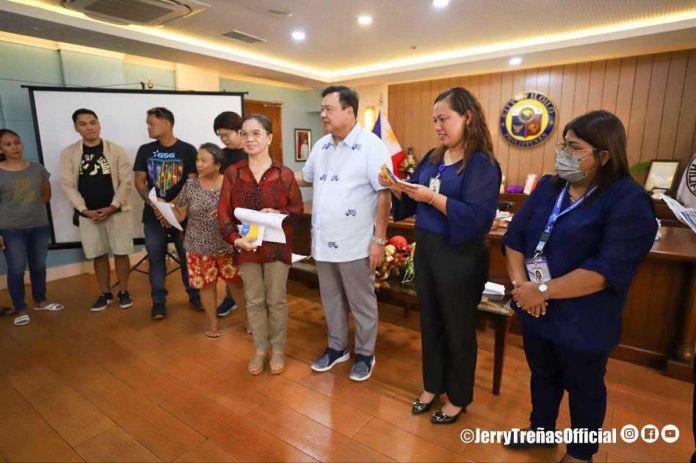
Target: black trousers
(555, 369)
(449, 282)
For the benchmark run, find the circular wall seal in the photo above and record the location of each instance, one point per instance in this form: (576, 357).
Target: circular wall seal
(528, 119)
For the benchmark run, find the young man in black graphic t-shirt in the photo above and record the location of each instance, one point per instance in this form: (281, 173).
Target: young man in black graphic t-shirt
(97, 179)
(164, 164)
(227, 126)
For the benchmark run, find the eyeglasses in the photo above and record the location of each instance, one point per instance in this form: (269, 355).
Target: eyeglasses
(564, 146)
(256, 134)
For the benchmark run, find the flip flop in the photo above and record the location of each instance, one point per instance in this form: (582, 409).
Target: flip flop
(213, 333)
(52, 307)
(22, 320)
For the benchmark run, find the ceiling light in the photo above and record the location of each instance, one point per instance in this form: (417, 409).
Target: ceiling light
(440, 3)
(298, 35)
(515, 61)
(365, 20)
(280, 13)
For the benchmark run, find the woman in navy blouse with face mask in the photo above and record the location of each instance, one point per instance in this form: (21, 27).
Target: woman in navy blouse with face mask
(586, 230)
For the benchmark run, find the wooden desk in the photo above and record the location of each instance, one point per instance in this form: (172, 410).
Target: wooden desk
(659, 319)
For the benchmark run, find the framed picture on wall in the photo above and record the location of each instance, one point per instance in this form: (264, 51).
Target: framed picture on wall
(303, 144)
(661, 176)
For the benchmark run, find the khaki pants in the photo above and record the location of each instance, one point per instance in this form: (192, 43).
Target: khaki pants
(265, 290)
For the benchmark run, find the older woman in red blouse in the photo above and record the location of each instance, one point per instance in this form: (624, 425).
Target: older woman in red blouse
(265, 185)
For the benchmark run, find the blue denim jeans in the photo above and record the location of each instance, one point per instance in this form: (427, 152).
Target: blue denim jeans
(22, 246)
(156, 239)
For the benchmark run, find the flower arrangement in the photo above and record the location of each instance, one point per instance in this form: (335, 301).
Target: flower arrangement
(408, 165)
(398, 262)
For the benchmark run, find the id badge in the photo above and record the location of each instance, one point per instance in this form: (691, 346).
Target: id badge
(537, 269)
(434, 184)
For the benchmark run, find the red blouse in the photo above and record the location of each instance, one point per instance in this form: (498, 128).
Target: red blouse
(277, 189)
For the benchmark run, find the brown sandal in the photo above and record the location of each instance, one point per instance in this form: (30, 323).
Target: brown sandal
(256, 364)
(277, 363)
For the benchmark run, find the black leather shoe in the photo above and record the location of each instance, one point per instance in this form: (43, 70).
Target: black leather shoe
(439, 417)
(421, 407)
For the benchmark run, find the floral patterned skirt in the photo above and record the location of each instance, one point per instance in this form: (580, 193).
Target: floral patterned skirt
(204, 270)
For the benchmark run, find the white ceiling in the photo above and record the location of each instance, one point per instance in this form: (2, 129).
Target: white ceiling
(468, 36)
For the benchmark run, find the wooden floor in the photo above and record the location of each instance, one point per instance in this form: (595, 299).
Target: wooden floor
(116, 386)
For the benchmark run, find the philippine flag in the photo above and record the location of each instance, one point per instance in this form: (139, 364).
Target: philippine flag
(384, 131)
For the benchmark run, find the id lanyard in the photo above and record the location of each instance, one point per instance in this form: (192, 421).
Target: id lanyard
(440, 169)
(556, 214)
(435, 181)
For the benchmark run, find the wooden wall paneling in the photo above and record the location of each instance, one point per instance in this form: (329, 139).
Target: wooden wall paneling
(526, 154)
(624, 94)
(656, 101)
(582, 89)
(419, 117)
(425, 117)
(474, 85)
(653, 95)
(422, 119)
(610, 87)
(494, 107)
(595, 90)
(395, 100)
(565, 105)
(518, 82)
(685, 146)
(673, 103)
(539, 151)
(555, 91)
(639, 108)
(394, 115)
(506, 92)
(410, 115)
(484, 97)
(434, 92)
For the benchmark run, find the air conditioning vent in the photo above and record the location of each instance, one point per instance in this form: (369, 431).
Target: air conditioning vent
(141, 12)
(243, 37)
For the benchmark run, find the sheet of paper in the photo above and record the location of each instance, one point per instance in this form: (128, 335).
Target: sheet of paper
(297, 257)
(165, 209)
(272, 223)
(494, 288)
(685, 215)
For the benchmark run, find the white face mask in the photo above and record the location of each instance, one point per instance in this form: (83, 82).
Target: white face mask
(568, 167)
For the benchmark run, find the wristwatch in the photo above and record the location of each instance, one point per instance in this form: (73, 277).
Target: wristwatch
(544, 289)
(380, 241)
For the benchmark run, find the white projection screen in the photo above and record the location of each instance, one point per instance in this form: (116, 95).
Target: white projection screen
(122, 115)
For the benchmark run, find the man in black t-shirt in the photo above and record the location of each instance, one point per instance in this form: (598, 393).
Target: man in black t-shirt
(96, 176)
(164, 164)
(227, 126)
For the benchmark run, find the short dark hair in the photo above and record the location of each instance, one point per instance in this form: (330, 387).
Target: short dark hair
(347, 96)
(4, 132)
(83, 111)
(261, 119)
(227, 120)
(162, 113)
(215, 152)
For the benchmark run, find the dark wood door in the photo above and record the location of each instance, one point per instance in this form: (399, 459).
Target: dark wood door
(273, 112)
